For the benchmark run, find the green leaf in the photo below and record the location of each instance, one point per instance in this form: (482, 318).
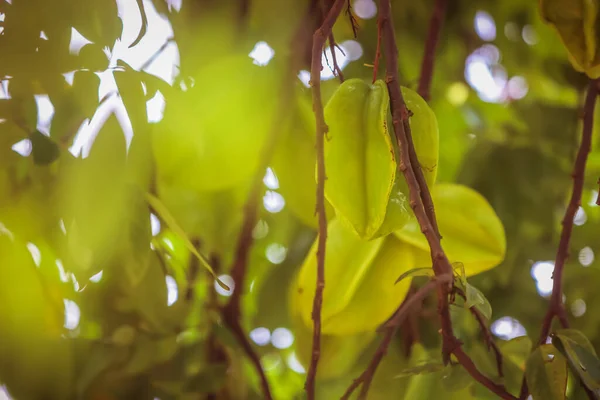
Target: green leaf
(92, 57)
(517, 350)
(456, 378)
(420, 369)
(359, 157)
(208, 380)
(148, 353)
(580, 354)
(166, 216)
(546, 373)
(123, 335)
(577, 26)
(476, 299)
(43, 149)
(472, 233)
(100, 358)
(423, 271)
(421, 384)
(294, 161)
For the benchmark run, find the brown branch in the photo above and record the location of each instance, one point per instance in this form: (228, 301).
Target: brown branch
(433, 36)
(353, 21)
(441, 264)
(485, 331)
(319, 38)
(471, 368)
(232, 310)
(400, 116)
(598, 198)
(391, 327)
(489, 339)
(556, 307)
(337, 71)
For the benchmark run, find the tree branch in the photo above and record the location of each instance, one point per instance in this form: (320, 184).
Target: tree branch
(556, 307)
(487, 334)
(391, 327)
(433, 36)
(441, 264)
(232, 310)
(319, 38)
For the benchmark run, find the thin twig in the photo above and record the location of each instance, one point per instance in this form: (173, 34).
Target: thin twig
(319, 38)
(433, 36)
(487, 334)
(441, 264)
(337, 71)
(556, 307)
(400, 115)
(391, 328)
(489, 339)
(353, 21)
(232, 310)
(598, 198)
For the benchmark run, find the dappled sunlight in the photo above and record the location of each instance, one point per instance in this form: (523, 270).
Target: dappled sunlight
(276, 253)
(261, 336)
(508, 328)
(228, 280)
(282, 338)
(273, 202)
(134, 132)
(541, 272)
(485, 26)
(72, 315)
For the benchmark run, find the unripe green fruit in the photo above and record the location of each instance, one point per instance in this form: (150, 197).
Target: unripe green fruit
(361, 157)
(360, 293)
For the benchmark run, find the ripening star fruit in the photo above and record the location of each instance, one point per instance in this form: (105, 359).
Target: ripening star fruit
(360, 292)
(364, 185)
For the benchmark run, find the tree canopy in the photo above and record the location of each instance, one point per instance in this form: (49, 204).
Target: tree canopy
(250, 199)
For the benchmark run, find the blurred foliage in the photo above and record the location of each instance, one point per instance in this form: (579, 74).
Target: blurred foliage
(87, 283)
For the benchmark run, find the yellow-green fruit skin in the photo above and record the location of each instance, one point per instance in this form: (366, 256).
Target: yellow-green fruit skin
(364, 186)
(360, 293)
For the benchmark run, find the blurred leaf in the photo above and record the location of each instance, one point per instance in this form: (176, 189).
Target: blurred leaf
(475, 298)
(580, 354)
(92, 57)
(164, 214)
(44, 150)
(456, 378)
(576, 24)
(546, 372)
(517, 350)
(147, 353)
(100, 358)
